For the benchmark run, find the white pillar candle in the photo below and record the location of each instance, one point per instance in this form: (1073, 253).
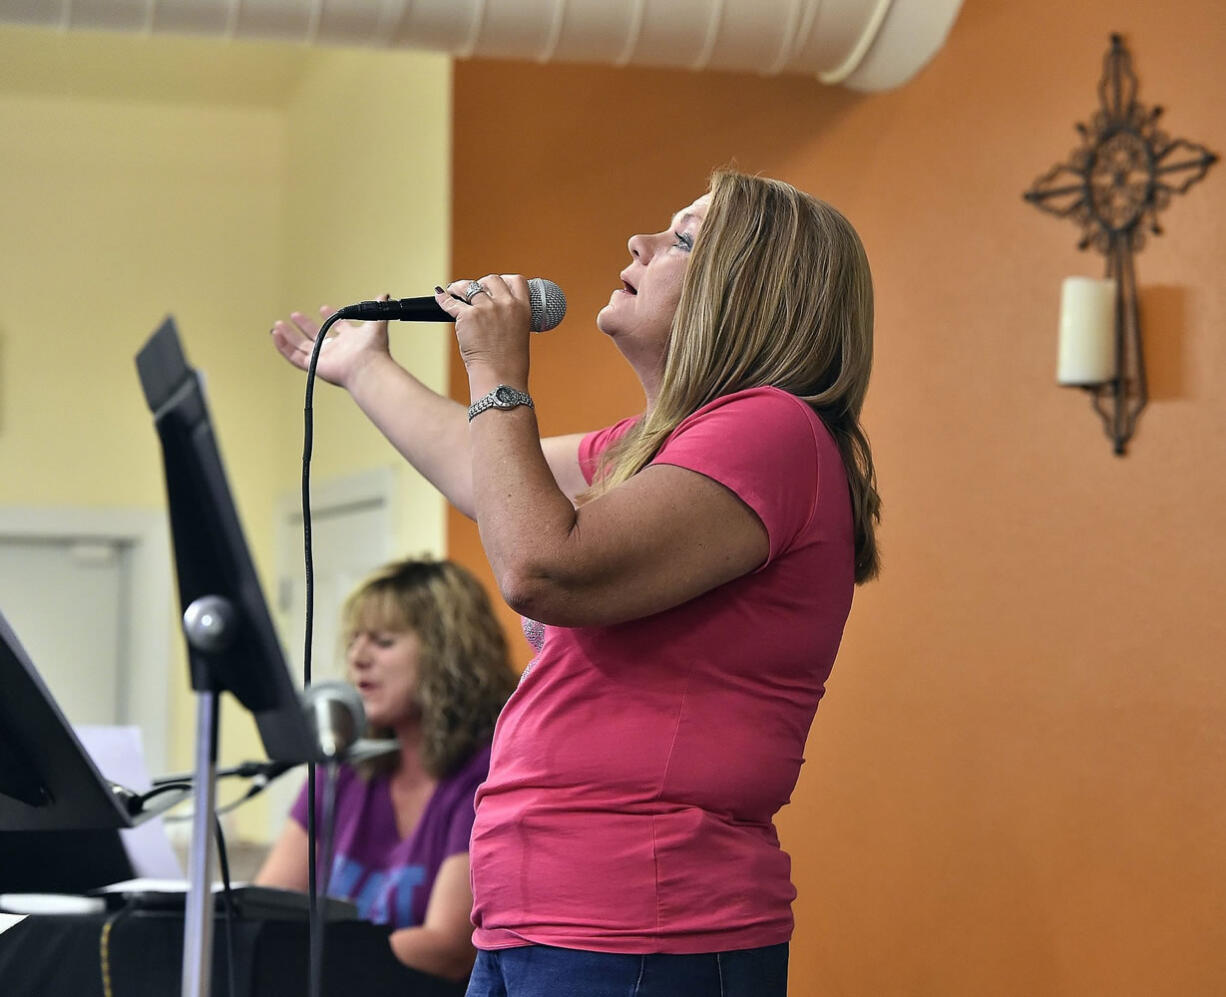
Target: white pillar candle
(1087, 331)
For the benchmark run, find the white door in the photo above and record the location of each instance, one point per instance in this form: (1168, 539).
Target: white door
(65, 599)
(89, 594)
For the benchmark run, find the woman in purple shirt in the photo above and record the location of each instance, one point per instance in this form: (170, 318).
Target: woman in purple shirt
(430, 661)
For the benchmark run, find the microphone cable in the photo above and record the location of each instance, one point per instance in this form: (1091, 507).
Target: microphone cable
(137, 803)
(104, 942)
(229, 904)
(259, 783)
(315, 975)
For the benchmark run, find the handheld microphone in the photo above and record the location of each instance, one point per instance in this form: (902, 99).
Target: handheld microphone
(548, 307)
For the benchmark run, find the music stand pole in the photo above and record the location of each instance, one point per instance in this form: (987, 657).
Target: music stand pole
(198, 913)
(209, 624)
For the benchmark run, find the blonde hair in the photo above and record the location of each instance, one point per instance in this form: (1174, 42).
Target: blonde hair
(778, 292)
(464, 672)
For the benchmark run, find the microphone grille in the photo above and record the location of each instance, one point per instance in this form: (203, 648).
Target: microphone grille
(335, 710)
(548, 304)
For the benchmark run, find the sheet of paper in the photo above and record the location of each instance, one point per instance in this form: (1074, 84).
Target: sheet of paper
(160, 886)
(146, 884)
(50, 903)
(120, 757)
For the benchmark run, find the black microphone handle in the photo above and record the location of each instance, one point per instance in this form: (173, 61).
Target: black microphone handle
(403, 310)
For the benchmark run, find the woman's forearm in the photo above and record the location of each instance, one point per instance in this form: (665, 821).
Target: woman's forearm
(433, 951)
(429, 430)
(524, 516)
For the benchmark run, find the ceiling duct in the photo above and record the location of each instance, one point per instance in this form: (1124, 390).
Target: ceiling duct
(863, 44)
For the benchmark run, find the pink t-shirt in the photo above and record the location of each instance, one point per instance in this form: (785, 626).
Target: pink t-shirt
(637, 768)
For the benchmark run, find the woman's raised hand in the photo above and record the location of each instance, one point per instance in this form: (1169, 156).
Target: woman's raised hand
(347, 349)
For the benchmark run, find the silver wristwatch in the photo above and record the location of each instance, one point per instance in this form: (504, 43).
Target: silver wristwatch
(503, 396)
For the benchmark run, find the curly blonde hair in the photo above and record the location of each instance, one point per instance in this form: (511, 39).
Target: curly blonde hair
(464, 671)
(778, 292)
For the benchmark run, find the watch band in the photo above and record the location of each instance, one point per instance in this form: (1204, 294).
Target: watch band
(503, 397)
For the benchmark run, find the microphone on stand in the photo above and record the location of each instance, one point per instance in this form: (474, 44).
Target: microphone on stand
(336, 713)
(547, 300)
(335, 710)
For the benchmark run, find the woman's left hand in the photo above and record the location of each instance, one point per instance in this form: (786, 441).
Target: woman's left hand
(492, 321)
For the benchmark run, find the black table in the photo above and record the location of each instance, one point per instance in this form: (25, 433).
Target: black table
(49, 955)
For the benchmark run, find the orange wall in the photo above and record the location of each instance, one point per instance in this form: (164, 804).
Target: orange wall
(1017, 782)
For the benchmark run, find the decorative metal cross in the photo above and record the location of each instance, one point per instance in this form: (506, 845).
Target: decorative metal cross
(1113, 186)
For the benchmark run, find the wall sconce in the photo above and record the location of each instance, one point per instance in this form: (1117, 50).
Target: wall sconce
(1113, 186)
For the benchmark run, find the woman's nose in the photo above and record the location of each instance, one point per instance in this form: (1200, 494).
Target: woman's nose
(638, 246)
(356, 653)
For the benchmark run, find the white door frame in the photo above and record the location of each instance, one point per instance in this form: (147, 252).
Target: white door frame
(147, 688)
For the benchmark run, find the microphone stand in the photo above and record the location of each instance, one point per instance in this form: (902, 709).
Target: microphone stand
(316, 911)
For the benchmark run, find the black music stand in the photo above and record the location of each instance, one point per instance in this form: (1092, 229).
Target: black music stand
(59, 816)
(231, 643)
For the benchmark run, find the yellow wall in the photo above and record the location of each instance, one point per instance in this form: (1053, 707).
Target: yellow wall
(117, 213)
(369, 189)
(1016, 784)
(131, 188)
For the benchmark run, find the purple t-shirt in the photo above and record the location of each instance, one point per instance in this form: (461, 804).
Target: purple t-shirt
(388, 877)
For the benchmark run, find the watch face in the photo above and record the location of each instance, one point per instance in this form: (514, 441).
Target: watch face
(504, 395)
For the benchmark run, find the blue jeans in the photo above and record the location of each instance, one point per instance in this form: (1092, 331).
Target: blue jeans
(541, 971)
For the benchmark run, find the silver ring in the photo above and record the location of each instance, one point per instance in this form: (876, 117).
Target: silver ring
(474, 288)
